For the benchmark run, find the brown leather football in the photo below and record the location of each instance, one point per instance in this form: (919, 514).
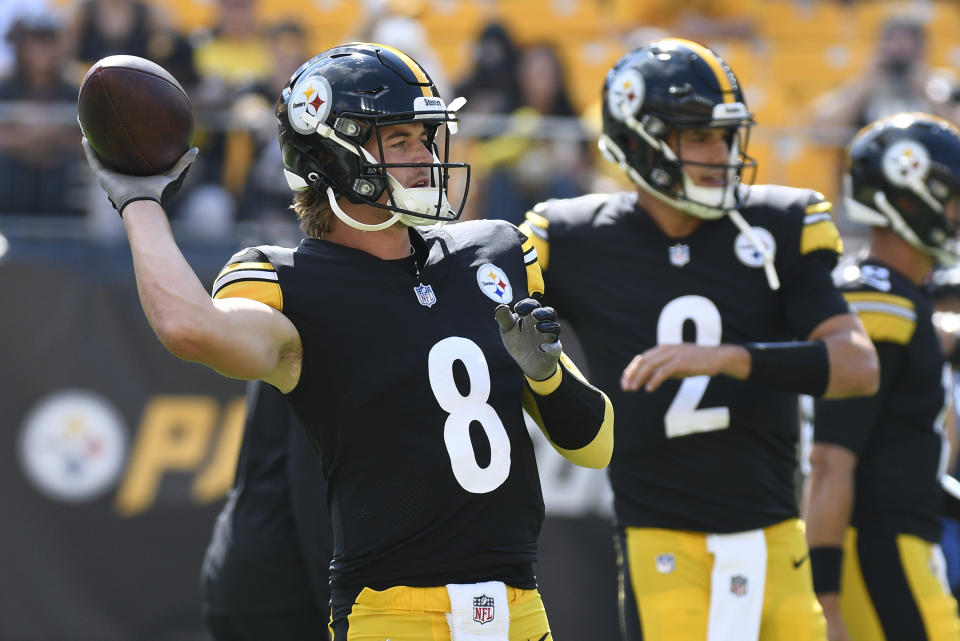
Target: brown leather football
(135, 114)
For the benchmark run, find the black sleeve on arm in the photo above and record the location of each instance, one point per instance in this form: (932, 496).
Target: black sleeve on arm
(951, 497)
(809, 295)
(849, 422)
(574, 415)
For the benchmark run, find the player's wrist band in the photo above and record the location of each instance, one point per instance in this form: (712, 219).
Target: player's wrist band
(826, 562)
(799, 367)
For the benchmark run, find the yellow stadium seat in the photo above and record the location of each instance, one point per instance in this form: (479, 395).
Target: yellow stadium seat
(552, 20)
(586, 64)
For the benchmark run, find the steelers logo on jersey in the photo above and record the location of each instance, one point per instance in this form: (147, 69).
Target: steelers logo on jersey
(626, 94)
(748, 253)
(494, 283)
(311, 96)
(906, 163)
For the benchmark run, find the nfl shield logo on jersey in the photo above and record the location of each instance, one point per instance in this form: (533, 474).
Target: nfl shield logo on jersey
(425, 295)
(679, 254)
(738, 585)
(483, 609)
(666, 563)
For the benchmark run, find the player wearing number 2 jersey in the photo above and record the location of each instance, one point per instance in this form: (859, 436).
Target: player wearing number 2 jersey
(704, 307)
(407, 352)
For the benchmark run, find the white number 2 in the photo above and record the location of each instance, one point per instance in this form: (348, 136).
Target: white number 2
(464, 410)
(683, 417)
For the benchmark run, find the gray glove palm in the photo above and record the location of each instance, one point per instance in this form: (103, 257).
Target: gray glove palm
(123, 189)
(531, 335)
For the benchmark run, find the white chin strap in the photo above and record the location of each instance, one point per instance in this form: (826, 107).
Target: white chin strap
(353, 222)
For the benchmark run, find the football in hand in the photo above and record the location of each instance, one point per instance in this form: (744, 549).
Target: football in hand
(135, 115)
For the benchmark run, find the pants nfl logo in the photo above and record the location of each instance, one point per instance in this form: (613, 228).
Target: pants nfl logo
(482, 609)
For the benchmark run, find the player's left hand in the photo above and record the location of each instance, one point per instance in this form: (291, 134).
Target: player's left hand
(531, 335)
(650, 369)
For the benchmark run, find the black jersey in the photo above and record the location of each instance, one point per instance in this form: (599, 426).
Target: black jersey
(702, 454)
(897, 434)
(414, 404)
(266, 555)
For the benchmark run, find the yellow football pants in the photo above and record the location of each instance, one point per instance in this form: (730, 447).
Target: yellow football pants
(419, 614)
(890, 590)
(667, 576)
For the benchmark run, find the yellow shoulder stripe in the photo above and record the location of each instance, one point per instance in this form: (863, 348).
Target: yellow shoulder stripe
(818, 208)
(887, 317)
(538, 239)
(249, 265)
(537, 220)
(266, 292)
(821, 235)
(887, 328)
(880, 297)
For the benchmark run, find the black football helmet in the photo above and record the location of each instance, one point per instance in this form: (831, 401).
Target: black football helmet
(903, 172)
(335, 102)
(666, 86)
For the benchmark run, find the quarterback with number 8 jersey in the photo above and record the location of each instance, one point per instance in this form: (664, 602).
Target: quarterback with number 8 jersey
(704, 307)
(407, 350)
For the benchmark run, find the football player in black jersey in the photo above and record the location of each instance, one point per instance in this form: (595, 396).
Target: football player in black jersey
(875, 499)
(407, 351)
(265, 571)
(704, 307)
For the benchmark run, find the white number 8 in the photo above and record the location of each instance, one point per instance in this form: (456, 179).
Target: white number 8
(464, 410)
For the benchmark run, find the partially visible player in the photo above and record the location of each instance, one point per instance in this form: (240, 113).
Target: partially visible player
(406, 349)
(704, 307)
(265, 571)
(875, 499)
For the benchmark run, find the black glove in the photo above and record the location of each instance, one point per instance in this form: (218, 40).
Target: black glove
(123, 189)
(531, 335)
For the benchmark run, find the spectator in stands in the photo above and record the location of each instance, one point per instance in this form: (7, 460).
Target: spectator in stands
(263, 194)
(539, 156)
(234, 54)
(10, 12)
(897, 79)
(492, 87)
(103, 28)
(396, 23)
(37, 119)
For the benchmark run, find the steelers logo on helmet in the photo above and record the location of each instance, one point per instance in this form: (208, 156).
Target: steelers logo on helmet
(626, 93)
(311, 96)
(906, 163)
